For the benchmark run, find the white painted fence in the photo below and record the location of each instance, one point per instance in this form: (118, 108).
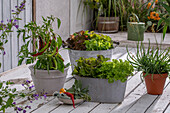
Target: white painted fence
(10, 59)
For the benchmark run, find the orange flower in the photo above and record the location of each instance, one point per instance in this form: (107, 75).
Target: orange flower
(152, 13)
(157, 15)
(62, 90)
(157, 18)
(152, 17)
(156, 1)
(149, 4)
(149, 18)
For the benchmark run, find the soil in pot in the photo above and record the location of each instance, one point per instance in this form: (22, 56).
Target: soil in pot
(155, 84)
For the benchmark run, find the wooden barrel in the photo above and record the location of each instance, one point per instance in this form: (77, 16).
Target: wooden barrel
(108, 24)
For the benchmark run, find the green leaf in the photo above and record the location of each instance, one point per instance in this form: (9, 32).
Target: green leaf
(18, 18)
(14, 90)
(59, 40)
(20, 61)
(164, 31)
(9, 101)
(159, 23)
(59, 22)
(1, 100)
(1, 84)
(166, 7)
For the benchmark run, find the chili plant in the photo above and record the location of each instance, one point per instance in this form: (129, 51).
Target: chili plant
(46, 42)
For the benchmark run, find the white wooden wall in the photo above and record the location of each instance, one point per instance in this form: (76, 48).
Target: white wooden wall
(80, 18)
(10, 59)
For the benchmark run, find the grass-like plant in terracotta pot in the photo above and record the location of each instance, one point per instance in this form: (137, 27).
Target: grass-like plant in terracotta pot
(105, 79)
(89, 44)
(155, 65)
(49, 72)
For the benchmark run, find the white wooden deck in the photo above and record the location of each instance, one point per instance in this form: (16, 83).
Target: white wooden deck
(136, 99)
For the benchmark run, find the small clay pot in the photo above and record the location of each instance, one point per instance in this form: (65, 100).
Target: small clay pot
(155, 84)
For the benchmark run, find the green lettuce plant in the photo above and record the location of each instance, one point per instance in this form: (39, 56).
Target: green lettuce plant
(84, 40)
(100, 68)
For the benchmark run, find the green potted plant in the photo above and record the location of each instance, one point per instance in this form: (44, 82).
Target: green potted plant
(85, 44)
(155, 65)
(49, 72)
(106, 80)
(107, 13)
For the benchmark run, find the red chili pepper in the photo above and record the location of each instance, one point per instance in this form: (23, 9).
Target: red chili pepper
(71, 96)
(37, 54)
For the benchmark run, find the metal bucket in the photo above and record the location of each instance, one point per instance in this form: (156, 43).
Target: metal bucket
(102, 91)
(135, 29)
(76, 54)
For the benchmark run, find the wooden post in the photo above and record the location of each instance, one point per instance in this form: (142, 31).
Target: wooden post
(34, 17)
(34, 10)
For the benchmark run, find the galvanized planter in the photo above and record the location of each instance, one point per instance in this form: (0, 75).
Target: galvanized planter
(102, 91)
(76, 54)
(45, 82)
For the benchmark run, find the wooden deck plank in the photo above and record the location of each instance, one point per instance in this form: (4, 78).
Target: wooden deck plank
(168, 109)
(118, 52)
(103, 108)
(50, 105)
(130, 100)
(63, 109)
(85, 107)
(144, 102)
(162, 102)
(131, 85)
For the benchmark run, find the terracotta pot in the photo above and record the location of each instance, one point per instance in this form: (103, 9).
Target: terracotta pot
(155, 84)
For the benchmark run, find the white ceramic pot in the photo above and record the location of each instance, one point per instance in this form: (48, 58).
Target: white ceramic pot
(48, 82)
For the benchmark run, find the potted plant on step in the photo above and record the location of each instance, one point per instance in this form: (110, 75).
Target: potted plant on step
(106, 14)
(155, 65)
(85, 44)
(106, 80)
(49, 72)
